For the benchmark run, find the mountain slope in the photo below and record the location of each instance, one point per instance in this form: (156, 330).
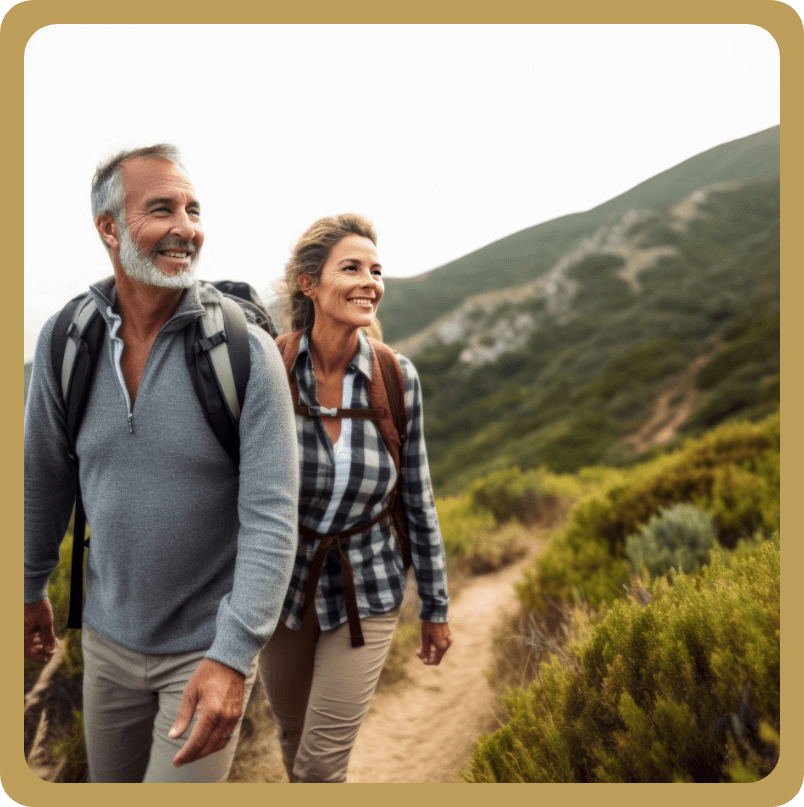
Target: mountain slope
(411, 304)
(598, 336)
(677, 306)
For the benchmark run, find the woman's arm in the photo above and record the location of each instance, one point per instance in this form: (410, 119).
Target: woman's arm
(426, 545)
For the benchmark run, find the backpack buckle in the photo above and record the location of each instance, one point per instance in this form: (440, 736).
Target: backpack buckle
(322, 411)
(208, 342)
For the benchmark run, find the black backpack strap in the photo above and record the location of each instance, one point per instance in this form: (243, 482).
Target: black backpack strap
(245, 295)
(75, 347)
(77, 562)
(219, 359)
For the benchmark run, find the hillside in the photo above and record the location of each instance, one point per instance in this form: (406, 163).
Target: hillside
(411, 304)
(668, 315)
(603, 335)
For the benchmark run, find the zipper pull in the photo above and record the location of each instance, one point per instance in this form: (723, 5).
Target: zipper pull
(131, 423)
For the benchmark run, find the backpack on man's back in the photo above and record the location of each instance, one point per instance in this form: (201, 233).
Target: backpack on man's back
(218, 360)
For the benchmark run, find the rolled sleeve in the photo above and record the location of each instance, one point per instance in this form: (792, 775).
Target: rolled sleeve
(426, 544)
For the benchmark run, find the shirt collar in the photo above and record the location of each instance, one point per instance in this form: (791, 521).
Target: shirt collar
(190, 307)
(363, 360)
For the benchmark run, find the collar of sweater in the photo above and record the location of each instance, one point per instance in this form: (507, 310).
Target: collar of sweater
(190, 308)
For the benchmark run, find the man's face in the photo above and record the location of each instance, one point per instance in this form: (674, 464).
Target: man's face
(160, 229)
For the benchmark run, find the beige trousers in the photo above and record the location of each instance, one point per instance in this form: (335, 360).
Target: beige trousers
(319, 688)
(130, 702)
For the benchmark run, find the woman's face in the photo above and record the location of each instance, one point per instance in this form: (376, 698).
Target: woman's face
(350, 285)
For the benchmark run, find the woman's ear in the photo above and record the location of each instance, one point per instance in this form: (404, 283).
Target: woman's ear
(306, 284)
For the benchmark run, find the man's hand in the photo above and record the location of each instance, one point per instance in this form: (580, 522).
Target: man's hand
(215, 691)
(436, 639)
(40, 641)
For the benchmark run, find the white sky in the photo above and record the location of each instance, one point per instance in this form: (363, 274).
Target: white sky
(447, 137)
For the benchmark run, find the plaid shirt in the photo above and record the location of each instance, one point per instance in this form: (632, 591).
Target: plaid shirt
(379, 574)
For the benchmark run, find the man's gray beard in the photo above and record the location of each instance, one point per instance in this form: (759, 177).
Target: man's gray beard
(141, 269)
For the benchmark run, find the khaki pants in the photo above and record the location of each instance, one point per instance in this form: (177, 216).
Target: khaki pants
(319, 688)
(130, 702)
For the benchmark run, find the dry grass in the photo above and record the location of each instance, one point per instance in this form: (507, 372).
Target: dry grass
(258, 758)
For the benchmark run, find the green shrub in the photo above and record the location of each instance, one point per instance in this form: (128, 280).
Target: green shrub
(679, 538)
(495, 550)
(70, 747)
(731, 397)
(509, 494)
(650, 360)
(685, 689)
(576, 567)
(462, 524)
(758, 343)
(586, 481)
(474, 540)
(744, 502)
(693, 477)
(582, 442)
(732, 471)
(596, 266)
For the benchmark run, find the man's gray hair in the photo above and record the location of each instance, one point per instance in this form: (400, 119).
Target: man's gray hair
(107, 184)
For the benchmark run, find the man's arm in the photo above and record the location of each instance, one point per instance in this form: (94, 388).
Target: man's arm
(50, 480)
(266, 551)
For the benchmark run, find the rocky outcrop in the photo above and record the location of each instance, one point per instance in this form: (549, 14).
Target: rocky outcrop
(496, 322)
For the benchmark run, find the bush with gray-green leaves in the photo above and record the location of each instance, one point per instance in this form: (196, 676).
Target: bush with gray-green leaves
(677, 537)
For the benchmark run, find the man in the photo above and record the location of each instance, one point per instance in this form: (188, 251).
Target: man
(190, 556)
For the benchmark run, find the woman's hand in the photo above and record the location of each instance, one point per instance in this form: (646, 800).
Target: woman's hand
(436, 639)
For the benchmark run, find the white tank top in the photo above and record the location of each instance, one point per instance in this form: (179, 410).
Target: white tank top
(343, 457)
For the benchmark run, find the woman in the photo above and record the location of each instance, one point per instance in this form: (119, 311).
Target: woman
(321, 666)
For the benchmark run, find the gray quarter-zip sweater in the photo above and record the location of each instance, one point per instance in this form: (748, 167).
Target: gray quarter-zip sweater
(186, 552)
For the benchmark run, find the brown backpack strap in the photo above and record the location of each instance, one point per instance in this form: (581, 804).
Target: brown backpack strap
(288, 345)
(359, 414)
(395, 386)
(340, 541)
(387, 390)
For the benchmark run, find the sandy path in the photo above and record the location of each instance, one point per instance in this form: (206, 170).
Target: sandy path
(423, 732)
(666, 418)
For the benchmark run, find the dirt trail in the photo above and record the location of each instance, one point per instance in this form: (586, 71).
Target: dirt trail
(424, 731)
(421, 730)
(667, 417)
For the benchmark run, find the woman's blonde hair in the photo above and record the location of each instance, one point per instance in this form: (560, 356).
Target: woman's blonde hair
(374, 330)
(309, 256)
